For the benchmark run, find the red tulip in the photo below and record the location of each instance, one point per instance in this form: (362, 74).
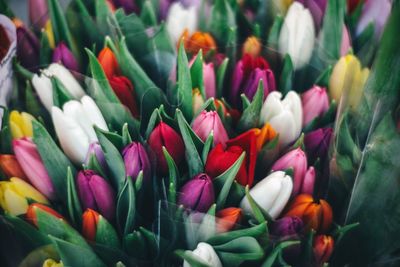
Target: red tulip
(90, 218)
(11, 168)
(31, 213)
(108, 62)
(228, 218)
(123, 88)
(323, 248)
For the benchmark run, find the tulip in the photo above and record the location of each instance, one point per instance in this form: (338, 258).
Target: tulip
(74, 127)
(14, 196)
(198, 193)
(352, 5)
(27, 47)
(108, 62)
(181, 18)
(96, 151)
(207, 254)
(95, 193)
(33, 208)
(44, 88)
(346, 42)
(228, 218)
(123, 88)
(94, 227)
(209, 80)
(52, 263)
(21, 124)
(65, 57)
(315, 103)
(297, 35)
(252, 46)
(375, 12)
(317, 9)
(197, 100)
(247, 74)
(282, 6)
(323, 248)
(38, 13)
(199, 40)
(220, 160)
(285, 116)
(317, 143)
(136, 160)
(32, 165)
(287, 226)
(272, 193)
(316, 215)
(348, 78)
(10, 167)
(207, 122)
(164, 136)
(129, 6)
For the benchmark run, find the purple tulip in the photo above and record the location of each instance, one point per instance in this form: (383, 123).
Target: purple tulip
(297, 160)
(287, 227)
(315, 103)
(64, 56)
(27, 48)
(129, 6)
(163, 8)
(268, 78)
(317, 143)
(38, 13)
(207, 122)
(95, 149)
(317, 9)
(95, 193)
(377, 12)
(198, 193)
(32, 165)
(136, 160)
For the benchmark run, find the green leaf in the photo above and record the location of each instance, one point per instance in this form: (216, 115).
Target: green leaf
(148, 14)
(60, 93)
(126, 208)
(32, 105)
(196, 73)
(207, 147)
(126, 137)
(191, 258)
(251, 115)
(74, 206)
(286, 79)
(45, 53)
(255, 231)
(139, 182)
(102, 15)
(53, 158)
(184, 94)
(277, 252)
(273, 37)
(221, 21)
(324, 77)
(221, 73)
(5, 133)
(173, 174)
(106, 234)
(256, 209)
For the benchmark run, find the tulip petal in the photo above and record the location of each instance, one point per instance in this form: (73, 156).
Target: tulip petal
(93, 112)
(66, 78)
(44, 90)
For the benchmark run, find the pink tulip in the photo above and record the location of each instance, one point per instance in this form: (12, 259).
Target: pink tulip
(297, 160)
(209, 79)
(207, 122)
(308, 182)
(315, 103)
(346, 41)
(31, 163)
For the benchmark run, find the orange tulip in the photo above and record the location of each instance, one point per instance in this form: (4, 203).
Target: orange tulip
(228, 218)
(323, 248)
(31, 213)
(316, 215)
(11, 168)
(252, 46)
(197, 41)
(90, 218)
(109, 63)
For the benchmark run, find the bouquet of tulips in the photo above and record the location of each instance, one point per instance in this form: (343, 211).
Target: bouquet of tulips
(200, 133)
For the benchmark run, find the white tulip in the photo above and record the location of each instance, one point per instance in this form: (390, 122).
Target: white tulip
(297, 35)
(272, 194)
(44, 88)
(285, 116)
(180, 18)
(207, 254)
(74, 127)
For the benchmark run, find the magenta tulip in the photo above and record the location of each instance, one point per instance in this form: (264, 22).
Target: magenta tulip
(198, 193)
(307, 186)
(95, 150)
(317, 143)
(64, 56)
(129, 6)
(27, 48)
(287, 227)
(346, 41)
(209, 80)
(32, 165)
(207, 122)
(315, 103)
(38, 13)
(136, 160)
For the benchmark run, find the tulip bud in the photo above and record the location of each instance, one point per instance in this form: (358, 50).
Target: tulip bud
(180, 18)
(315, 103)
(228, 218)
(31, 215)
(95, 193)
(164, 136)
(200, 40)
(348, 75)
(209, 80)
(206, 253)
(129, 6)
(197, 100)
(272, 193)
(108, 62)
(52, 263)
(21, 124)
(316, 215)
(346, 42)
(95, 150)
(375, 12)
(317, 143)
(14, 196)
(207, 122)
(297, 35)
(323, 248)
(123, 88)
(38, 13)
(27, 47)
(198, 193)
(252, 46)
(316, 8)
(136, 160)
(220, 160)
(285, 116)
(65, 57)
(95, 227)
(287, 227)
(10, 167)
(32, 165)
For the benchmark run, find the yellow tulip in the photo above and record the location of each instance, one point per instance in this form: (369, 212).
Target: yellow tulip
(52, 263)
(252, 46)
(21, 124)
(348, 78)
(14, 195)
(48, 29)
